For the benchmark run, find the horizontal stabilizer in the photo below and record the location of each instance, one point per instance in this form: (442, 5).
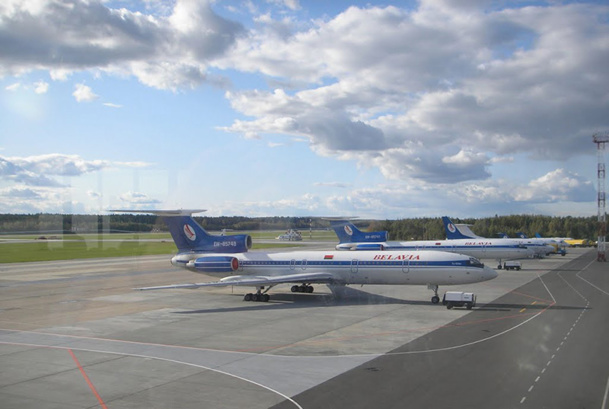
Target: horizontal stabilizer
(348, 233)
(189, 236)
(165, 213)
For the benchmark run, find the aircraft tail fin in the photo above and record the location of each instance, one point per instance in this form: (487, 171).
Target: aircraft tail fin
(452, 232)
(348, 233)
(189, 236)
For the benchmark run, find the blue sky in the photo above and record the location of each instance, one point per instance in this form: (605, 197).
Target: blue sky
(294, 108)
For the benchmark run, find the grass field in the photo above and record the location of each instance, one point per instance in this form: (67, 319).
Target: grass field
(23, 248)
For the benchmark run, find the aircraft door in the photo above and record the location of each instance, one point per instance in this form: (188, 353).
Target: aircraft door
(292, 264)
(405, 266)
(304, 264)
(354, 266)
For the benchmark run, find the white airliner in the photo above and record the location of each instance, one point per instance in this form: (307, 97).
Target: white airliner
(351, 238)
(228, 257)
(462, 231)
(562, 241)
(558, 244)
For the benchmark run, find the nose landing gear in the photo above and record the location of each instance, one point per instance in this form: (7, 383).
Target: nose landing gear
(435, 299)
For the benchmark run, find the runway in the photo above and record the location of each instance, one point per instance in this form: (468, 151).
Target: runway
(76, 335)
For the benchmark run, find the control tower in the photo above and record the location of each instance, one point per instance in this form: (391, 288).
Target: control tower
(600, 139)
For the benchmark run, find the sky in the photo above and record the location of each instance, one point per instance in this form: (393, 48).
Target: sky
(381, 110)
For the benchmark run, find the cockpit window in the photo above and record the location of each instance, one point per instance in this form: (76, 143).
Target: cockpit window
(474, 262)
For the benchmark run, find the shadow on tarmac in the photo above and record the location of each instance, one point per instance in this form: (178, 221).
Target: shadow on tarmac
(354, 297)
(349, 296)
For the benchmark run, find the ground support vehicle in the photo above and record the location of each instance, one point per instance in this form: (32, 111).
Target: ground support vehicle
(512, 265)
(459, 299)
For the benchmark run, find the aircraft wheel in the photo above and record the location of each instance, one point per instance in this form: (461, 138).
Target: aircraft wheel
(255, 297)
(248, 297)
(265, 297)
(435, 299)
(309, 289)
(294, 288)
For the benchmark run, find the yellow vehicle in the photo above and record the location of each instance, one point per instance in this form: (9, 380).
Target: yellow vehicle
(578, 242)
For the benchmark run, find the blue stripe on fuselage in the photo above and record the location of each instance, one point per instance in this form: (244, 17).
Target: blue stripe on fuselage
(375, 263)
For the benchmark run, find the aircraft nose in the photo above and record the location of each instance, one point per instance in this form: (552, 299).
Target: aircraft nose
(489, 273)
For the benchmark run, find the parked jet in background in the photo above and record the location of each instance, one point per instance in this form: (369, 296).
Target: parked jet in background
(556, 243)
(560, 240)
(351, 238)
(460, 232)
(557, 247)
(228, 257)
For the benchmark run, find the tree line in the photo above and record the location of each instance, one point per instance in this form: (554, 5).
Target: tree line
(402, 229)
(68, 223)
(546, 226)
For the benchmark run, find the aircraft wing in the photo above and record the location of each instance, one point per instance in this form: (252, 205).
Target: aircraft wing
(323, 278)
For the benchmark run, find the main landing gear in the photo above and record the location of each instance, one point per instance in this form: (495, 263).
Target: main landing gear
(256, 297)
(305, 288)
(435, 299)
(259, 296)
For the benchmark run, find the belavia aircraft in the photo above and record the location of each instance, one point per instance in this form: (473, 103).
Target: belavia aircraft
(228, 257)
(351, 238)
(456, 232)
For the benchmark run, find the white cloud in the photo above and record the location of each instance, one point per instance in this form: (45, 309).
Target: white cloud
(339, 185)
(39, 170)
(421, 199)
(84, 93)
(421, 107)
(558, 185)
(137, 200)
(290, 4)
(41, 87)
(11, 170)
(13, 87)
(43, 183)
(58, 164)
(162, 51)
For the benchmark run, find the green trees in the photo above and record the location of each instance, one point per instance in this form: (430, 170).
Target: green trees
(401, 229)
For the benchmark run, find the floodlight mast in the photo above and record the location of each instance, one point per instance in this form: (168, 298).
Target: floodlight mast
(600, 139)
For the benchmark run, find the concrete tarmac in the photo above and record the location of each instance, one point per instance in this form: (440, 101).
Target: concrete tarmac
(75, 334)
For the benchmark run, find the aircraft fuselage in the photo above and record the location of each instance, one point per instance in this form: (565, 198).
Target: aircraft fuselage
(369, 267)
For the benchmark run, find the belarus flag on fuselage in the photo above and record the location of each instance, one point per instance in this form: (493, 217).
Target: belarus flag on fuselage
(328, 257)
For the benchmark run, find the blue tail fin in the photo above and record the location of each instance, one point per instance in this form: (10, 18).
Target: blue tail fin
(452, 233)
(521, 235)
(189, 236)
(348, 233)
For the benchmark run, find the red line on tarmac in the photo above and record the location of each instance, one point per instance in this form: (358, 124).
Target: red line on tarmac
(84, 375)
